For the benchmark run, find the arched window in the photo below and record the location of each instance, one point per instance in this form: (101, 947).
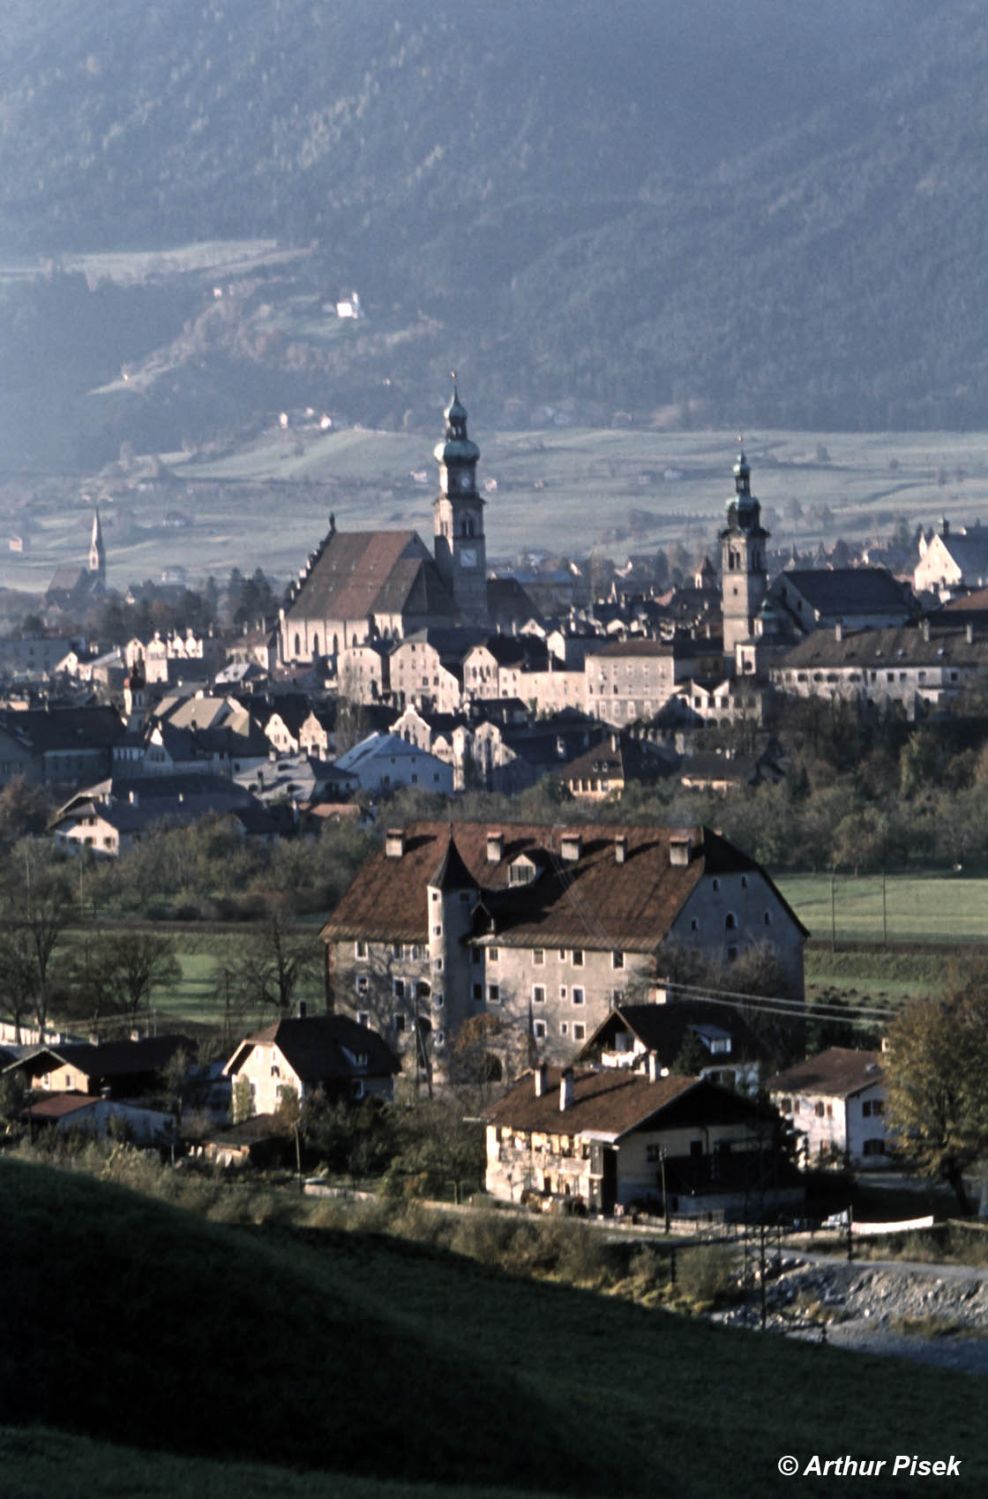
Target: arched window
(729, 921)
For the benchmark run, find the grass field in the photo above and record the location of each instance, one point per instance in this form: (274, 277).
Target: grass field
(264, 1345)
(918, 908)
(588, 479)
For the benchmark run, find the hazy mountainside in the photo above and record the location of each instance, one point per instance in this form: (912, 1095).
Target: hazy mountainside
(769, 214)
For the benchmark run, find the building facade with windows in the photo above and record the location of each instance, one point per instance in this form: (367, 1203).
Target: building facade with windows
(835, 1102)
(526, 937)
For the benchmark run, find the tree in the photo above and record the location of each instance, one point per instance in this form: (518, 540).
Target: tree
(116, 976)
(35, 908)
(273, 966)
(936, 1069)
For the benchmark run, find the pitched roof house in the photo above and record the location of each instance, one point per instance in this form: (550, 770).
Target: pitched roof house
(123, 1069)
(544, 929)
(613, 1140)
(836, 1102)
(319, 1053)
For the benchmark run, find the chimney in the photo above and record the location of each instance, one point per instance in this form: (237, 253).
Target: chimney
(133, 798)
(495, 848)
(394, 843)
(969, 633)
(620, 849)
(945, 526)
(839, 630)
(570, 847)
(653, 1067)
(541, 1075)
(679, 848)
(925, 627)
(566, 1090)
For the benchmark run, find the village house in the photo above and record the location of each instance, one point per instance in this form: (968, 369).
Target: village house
(684, 1034)
(327, 1054)
(74, 1113)
(953, 560)
(384, 763)
(835, 1102)
(541, 929)
(612, 1140)
(859, 598)
(115, 1069)
(913, 667)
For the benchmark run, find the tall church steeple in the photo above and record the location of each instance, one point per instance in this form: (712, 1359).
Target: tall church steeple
(97, 551)
(459, 545)
(744, 579)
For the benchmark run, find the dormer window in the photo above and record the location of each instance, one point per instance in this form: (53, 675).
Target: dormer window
(521, 871)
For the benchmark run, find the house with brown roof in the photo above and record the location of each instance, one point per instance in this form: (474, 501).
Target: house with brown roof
(836, 1104)
(75, 1113)
(543, 930)
(328, 1054)
(612, 1140)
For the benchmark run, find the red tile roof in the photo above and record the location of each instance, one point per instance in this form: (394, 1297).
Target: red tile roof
(591, 902)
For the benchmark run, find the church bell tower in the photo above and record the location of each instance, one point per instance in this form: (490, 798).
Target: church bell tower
(744, 579)
(458, 509)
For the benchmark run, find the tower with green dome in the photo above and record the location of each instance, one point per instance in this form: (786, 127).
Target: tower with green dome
(744, 578)
(458, 509)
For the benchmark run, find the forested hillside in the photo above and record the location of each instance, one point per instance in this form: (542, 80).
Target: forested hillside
(770, 214)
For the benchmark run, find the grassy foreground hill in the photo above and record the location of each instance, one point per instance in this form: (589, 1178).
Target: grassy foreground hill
(130, 1324)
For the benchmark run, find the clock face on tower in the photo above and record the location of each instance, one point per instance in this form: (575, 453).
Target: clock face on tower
(463, 480)
(468, 557)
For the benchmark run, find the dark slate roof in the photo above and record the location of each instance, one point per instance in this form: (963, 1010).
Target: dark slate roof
(452, 873)
(591, 902)
(663, 1028)
(114, 1058)
(51, 729)
(969, 551)
(885, 649)
(316, 1048)
(372, 572)
(621, 757)
(850, 590)
(615, 1103)
(838, 1071)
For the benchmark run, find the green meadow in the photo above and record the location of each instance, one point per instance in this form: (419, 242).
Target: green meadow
(941, 908)
(381, 1366)
(606, 490)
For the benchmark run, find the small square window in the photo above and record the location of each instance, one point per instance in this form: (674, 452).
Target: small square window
(360, 949)
(494, 994)
(538, 994)
(363, 984)
(617, 996)
(579, 996)
(398, 988)
(578, 957)
(538, 1030)
(399, 1021)
(562, 955)
(437, 931)
(492, 955)
(538, 956)
(617, 959)
(579, 1031)
(396, 949)
(363, 1018)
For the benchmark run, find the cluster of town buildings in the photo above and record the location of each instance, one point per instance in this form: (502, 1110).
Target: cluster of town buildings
(539, 958)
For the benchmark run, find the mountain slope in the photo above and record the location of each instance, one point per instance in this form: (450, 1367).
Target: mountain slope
(770, 214)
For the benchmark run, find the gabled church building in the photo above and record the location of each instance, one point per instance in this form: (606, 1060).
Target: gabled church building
(365, 586)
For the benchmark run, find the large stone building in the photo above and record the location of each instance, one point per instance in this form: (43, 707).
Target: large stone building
(383, 585)
(525, 937)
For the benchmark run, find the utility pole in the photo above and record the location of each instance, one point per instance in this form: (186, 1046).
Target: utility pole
(885, 914)
(665, 1195)
(833, 910)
